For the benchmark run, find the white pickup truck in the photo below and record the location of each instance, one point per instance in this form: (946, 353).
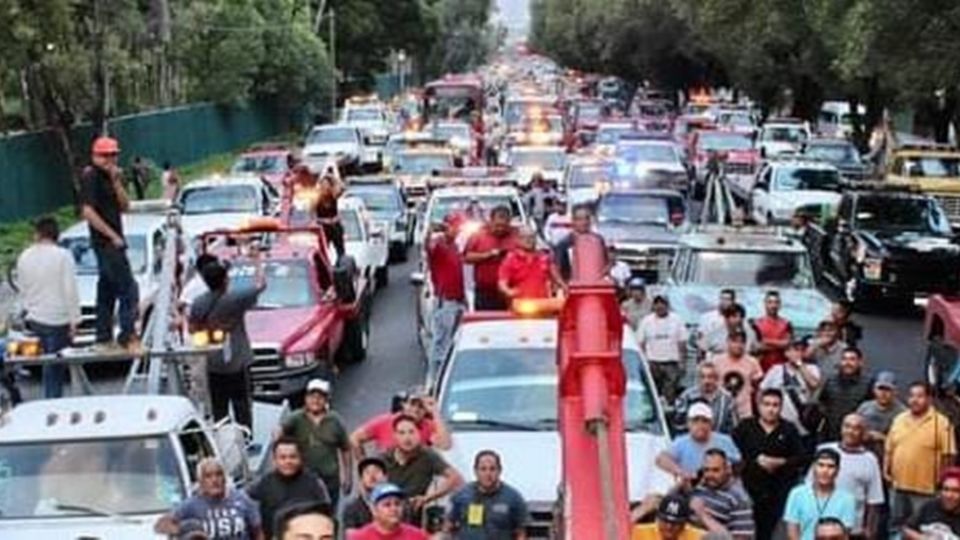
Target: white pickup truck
(108, 466)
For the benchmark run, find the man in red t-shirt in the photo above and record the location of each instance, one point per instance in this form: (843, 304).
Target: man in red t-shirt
(446, 276)
(485, 251)
(387, 508)
(774, 333)
(379, 429)
(526, 272)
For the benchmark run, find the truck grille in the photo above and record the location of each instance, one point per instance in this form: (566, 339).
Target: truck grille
(951, 205)
(541, 522)
(922, 274)
(266, 360)
(739, 168)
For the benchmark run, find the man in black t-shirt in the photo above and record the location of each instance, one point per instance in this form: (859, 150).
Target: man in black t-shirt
(288, 482)
(102, 200)
(940, 518)
(582, 224)
(357, 512)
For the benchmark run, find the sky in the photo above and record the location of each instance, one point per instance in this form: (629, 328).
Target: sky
(515, 15)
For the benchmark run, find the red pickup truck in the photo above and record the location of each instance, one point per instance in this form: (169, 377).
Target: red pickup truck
(312, 314)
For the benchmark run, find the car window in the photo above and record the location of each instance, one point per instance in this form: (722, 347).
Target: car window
(801, 179)
(85, 259)
(352, 229)
(519, 386)
(221, 199)
(751, 269)
(473, 207)
(195, 447)
(332, 135)
(288, 283)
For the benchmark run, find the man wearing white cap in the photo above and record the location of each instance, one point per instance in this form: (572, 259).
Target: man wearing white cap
(322, 438)
(685, 456)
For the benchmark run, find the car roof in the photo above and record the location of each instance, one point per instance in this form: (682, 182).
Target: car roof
(253, 180)
(427, 151)
(742, 239)
(469, 191)
(535, 148)
(94, 417)
(512, 333)
(801, 161)
(133, 224)
(635, 192)
(828, 141)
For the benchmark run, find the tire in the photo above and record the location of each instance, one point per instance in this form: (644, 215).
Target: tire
(344, 274)
(356, 339)
(382, 276)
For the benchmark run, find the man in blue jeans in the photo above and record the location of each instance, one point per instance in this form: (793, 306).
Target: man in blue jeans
(48, 294)
(446, 275)
(103, 199)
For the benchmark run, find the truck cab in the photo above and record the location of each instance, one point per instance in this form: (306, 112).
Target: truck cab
(933, 169)
(104, 466)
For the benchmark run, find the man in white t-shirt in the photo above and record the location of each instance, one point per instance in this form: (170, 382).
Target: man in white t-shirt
(662, 337)
(714, 322)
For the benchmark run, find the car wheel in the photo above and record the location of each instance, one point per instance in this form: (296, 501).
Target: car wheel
(356, 339)
(382, 276)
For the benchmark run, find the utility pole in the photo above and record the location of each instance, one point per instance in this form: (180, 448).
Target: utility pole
(333, 64)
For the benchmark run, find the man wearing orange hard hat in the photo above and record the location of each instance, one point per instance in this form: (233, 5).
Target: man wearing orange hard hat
(103, 200)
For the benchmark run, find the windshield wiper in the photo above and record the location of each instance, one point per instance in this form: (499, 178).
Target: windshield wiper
(487, 422)
(92, 510)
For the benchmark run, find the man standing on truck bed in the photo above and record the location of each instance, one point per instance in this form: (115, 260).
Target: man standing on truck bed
(222, 308)
(102, 200)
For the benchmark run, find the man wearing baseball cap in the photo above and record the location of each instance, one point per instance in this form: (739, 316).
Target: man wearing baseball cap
(357, 512)
(684, 457)
(673, 516)
(878, 413)
(388, 507)
(323, 439)
(103, 200)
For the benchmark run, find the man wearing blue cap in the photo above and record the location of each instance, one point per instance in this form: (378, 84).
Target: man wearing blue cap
(388, 507)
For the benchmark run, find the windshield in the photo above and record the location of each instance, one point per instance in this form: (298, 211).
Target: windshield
(807, 179)
(588, 176)
(288, 283)
(652, 110)
(332, 135)
(648, 209)
(736, 119)
(724, 142)
(452, 131)
(611, 135)
(260, 164)
(833, 153)
(751, 269)
(364, 115)
(453, 103)
(784, 134)
(551, 160)
(901, 214)
(655, 153)
(423, 164)
(85, 260)
(478, 208)
(220, 199)
(550, 124)
(377, 200)
(936, 167)
(116, 476)
(519, 386)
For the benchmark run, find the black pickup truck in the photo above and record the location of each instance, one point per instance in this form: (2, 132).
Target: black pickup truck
(885, 243)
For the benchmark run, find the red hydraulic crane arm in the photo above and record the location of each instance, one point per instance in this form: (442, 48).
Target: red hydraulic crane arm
(591, 393)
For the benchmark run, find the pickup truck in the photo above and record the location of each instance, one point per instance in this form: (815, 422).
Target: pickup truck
(109, 466)
(311, 315)
(343, 144)
(886, 243)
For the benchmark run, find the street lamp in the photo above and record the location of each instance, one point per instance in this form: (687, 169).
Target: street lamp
(402, 61)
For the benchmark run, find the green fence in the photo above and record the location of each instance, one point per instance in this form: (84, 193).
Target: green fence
(35, 176)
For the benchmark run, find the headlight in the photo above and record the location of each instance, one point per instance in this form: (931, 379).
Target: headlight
(298, 360)
(873, 268)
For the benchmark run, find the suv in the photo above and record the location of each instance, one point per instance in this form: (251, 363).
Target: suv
(884, 242)
(310, 315)
(933, 169)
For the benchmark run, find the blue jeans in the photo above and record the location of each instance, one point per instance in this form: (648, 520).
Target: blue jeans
(115, 283)
(446, 316)
(53, 339)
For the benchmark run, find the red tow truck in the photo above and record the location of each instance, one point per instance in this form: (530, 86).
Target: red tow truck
(457, 97)
(941, 330)
(311, 315)
(269, 160)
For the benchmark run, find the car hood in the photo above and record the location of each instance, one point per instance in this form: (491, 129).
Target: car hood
(804, 308)
(644, 167)
(624, 233)
(532, 462)
(778, 147)
(907, 243)
(277, 325)
(77, 528)
(579, 195)
(794, 199)
(87, 288)
(196, 224)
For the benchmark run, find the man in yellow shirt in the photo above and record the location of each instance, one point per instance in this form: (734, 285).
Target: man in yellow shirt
(919, 446)
(673, 515)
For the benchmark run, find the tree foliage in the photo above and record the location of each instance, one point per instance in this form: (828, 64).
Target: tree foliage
(784, 53)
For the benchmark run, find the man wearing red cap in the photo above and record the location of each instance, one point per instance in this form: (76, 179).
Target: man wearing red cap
(446, 276)
(103, 199)
(939, 518)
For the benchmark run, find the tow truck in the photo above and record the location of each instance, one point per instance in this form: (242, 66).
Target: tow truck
(369, 115)
(941, 330)
(414, 168)
(107, 466)
(225, 202)
(268, 160)
(886, 241)
(933, 169)
(457, 97)
(311, 315)
(734, 149)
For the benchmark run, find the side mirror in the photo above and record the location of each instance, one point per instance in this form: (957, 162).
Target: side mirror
(417, 279)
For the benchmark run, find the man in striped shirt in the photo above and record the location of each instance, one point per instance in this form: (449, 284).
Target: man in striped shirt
(718, 502)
